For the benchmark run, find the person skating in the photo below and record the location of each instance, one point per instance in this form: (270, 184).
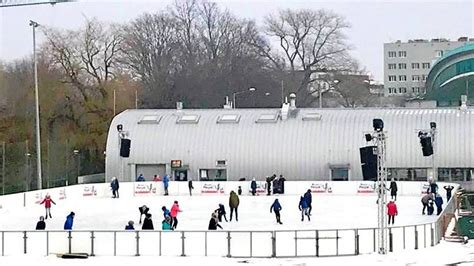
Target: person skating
(239, 190)
(393, 189)
(433, 187)
(143, 211)
(425, 200)
(190, 186)
(392, 211)
(166, 182)
(174, 214)
(41, 225)
(166, 212)
(214, 223)
(430, 207)
(115, 187)
(309, 199)
(234, 205)
(47, 205)
(147, 222)
(303, 207)
(439, 204)
(166, 224)
(253, 186)
(276, 208)
(221, 212)
(269, 186)
(69, 221)
(140, 178)
(448, 192)
(129, 226)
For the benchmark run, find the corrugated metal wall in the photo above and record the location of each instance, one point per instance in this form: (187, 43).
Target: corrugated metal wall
(298, 149)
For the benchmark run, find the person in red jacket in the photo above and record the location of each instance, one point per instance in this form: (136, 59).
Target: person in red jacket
(47, 205)
(174, 213)
(392, 211)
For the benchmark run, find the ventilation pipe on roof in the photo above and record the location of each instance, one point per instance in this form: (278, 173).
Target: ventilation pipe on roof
(463, 103)
(285, 109)
(227, 104)
(292, 101)
(179, 106)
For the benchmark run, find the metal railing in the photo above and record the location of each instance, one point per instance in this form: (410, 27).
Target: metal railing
(281, 243)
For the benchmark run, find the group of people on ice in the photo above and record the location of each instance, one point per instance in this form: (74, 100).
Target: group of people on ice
(169, 222)
(219, 213)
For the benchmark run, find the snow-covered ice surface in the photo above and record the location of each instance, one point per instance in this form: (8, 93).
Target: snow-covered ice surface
(329, 212)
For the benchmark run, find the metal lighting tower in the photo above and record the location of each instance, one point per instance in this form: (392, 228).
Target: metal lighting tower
(34, 25)
(382, 191)
(433, 143)
(15, 3)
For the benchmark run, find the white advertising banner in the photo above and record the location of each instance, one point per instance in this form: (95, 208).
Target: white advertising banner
(321, 187)
(89, 191)
(144, 189)
(212, 188)
(366, 188)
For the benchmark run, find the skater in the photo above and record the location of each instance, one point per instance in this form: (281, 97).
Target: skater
(143, 211)
(166, 181)
(425, 200)
(269, 185)
(393, 189)
(174, 214)
(439, 204)
(275, 183)
(430, 207)
(115, 187)
(433, 187)
(448, 192)
(156, 178)
(303, 206)
(234, 205)
(308, 198)
(391, 211)
(140, 178)
(276, 207)
(221, 212)
(253, 186)
(166, 212)
(166, 224)
(69, 221)
(47, 205)
(147, 222)
(129, 226)
(190, 186)
(239, 190)
(281, 184)
(41, 225)
(213, 223)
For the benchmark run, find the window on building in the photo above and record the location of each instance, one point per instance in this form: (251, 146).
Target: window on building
(402, 66)
(426, 65)
(402, 90)
(392, 54)
(392, 66)
(423, 77)
(408, 174)
(312, 116)
(228, 119)
(402, 78)
(415, 78)
(439, 53)
(213, 175)
(267, 118)
(150, 119)
(188, 119)
(415, 65)
(402, 54)
(455, 174)
(392, 78)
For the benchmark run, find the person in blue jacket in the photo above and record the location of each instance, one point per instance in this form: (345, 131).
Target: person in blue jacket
(303, 206)
(69, 221)
(166, 212)
(166, 181)
(308, 198)
(276, 207)
(130, 226)
(140, 178)
(253, 186)
(439, 204)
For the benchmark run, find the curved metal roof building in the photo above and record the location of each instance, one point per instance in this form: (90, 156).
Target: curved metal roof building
(452, 76)
(301, 144)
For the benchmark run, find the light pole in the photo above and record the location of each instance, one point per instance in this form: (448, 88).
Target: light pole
(78, 163)
(34, 25)
(251, 89)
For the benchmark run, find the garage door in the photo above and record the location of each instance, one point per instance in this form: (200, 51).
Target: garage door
(150, 170)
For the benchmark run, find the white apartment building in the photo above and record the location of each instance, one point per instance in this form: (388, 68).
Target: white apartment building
(407, 64)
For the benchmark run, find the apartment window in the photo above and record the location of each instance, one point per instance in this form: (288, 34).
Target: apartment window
(392, 78)
(426, 65)
(415, 78)
(439, 53)
(402, 90)
(415, 89)
(415, 65)
(402, 54)
(402, 66)
(392, 54)
(392, 66)
(392, 90)
(402, 78)
(423, 77)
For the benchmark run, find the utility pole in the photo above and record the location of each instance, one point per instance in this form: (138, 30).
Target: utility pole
(3, 167)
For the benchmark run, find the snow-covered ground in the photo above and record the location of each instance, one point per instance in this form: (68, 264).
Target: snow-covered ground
(329, 212)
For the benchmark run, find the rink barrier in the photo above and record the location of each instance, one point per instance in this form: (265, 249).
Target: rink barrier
(306, 243)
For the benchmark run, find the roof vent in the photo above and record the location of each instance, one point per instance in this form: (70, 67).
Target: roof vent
(463, 103)
(179, 105)
(292, 101)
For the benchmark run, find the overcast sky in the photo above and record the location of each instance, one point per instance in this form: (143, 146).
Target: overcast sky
(372, 22)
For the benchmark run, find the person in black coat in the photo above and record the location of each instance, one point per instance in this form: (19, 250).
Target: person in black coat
(221, 212)
(115, 187)
(41, 225)
(213, 223)
(269, 185)
(253, 186)
(190, 186)
(147, 222)
(143, 211)
(448, 192)
(393, 189)
(309, 199)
